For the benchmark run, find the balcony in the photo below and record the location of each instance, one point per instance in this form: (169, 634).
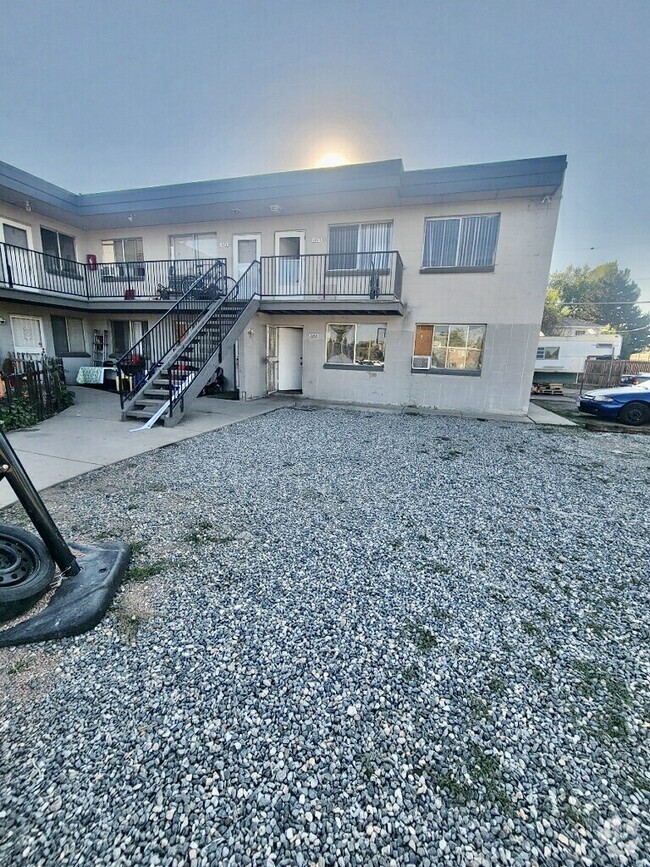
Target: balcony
(25, 274)
(336, 282)
(342, 283)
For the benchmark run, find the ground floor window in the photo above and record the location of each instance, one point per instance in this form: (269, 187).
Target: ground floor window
(126, 333)
(27, 332)
(68, 333)
(356, 344)
(449, 347)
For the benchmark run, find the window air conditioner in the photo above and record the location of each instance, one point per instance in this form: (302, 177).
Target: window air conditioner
(421, 362)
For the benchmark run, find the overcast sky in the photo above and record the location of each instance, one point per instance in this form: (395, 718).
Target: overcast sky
(103, 95)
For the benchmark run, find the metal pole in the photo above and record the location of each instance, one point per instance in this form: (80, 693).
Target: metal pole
(22, 485)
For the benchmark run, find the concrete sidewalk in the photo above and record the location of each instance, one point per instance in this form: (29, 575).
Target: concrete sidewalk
(90, 434)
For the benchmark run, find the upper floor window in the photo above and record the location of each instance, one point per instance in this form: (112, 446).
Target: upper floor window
(59, 251)
(463, 243)
(203, 246)
(122, 250)
(540, 352)
(359, 246)
(552, 352)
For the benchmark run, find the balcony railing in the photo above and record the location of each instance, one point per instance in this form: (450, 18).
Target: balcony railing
(159, 278)
(317, 277)
(329, 276)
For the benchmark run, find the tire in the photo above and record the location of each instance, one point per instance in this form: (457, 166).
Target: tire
(186, 282)
(635, 413)
(26, 567)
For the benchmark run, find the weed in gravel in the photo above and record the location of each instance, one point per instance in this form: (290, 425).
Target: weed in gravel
(410, 673)
(396, 544)
(529, 628)
(538, 674)
(138, 546)
(141, 573)
(498, 595)
(574, 815)
(610, 722)
(497, 684)
(488, 769)
(422, 637)
(545, 615)
(221, 540)
(458, 790)
(541, 588)
(423, 537)
(478, 706)
(157, 486)
(440, 613)
(451, 454)
(442, 569)
(597, 628)
(23, 664)
(129, 623)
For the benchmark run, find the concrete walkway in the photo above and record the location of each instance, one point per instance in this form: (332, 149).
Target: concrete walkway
(89, 434)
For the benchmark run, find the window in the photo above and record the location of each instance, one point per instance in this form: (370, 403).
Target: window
(122, 250)
(126, 333)
(59, 253)
(540, 352)
(356, 345)
(68, 333)
(552, 352)
(359, 247)
(15, 235)
(194, 246)
(464, 243)
(580, 332)
(27, 332)
(449, 348)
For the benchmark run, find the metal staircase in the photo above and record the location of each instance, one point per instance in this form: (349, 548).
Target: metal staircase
(172, 363)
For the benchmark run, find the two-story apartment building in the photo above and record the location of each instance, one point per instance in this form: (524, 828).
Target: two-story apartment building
(362, 283)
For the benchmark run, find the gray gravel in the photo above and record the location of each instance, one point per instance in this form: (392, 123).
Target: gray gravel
(361, 639)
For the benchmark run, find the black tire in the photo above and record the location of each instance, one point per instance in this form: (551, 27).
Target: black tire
(187, 282)
(635, 413)
(26, 567)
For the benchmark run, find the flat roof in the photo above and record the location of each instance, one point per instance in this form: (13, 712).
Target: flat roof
(350, 187)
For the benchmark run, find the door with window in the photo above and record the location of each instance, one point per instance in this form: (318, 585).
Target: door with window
(271, 359)
(21, 262)
(289, 247)
(27, 333)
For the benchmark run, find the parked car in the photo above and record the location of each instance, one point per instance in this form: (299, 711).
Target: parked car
(627, 404)
(634, 378)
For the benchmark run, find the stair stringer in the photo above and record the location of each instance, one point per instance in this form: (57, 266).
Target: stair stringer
(202, 377)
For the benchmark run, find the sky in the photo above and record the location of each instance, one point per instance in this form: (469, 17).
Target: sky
(103, 95)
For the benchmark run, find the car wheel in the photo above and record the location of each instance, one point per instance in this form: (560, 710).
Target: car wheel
(26, 567)
(635, 413)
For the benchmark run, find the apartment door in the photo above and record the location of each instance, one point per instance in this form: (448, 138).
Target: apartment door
(20, 260)
(245, 250)
(289, 247)
(289, 359)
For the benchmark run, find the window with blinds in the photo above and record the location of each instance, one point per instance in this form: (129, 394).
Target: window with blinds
(122, 250)
(461, 242)
(359, 247)
(68, 334)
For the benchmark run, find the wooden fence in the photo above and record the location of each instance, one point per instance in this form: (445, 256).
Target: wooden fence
(31, 389)
(607, 372)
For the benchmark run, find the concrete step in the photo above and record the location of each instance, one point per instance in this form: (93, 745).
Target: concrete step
(141, 414)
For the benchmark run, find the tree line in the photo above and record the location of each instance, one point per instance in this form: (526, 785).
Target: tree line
(606, 295)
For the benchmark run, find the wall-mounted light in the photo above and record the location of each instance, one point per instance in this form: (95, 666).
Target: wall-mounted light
(275, 208)
(28, 206)
(130, 218)
(251, 332)
(236, 211)
(3, 321)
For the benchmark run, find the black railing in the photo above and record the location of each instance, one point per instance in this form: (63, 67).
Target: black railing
(143, 360)
(211, 334)
(31, 270)
(328, 276)
(152, 279)
(157, 279)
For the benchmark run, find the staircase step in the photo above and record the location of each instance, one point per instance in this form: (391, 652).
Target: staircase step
(141, 413)
(155, 403)
(156, 392)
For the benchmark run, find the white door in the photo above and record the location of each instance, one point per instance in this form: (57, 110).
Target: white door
(27, 333)
(21, 261)
(245, 250)
(289, 247)
(289, 359)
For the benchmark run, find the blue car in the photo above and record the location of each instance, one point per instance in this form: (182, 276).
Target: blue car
(628, 404)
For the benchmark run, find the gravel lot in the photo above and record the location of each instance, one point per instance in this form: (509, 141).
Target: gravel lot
(349, 638)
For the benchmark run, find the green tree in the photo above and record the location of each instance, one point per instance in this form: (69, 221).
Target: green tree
(605, 294)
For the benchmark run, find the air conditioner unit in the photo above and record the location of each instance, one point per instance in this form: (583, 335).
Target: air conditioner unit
(421, 362)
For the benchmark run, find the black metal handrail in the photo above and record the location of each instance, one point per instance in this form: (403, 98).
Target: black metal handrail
(372, 274)
(162, 279)
(33, 270)
(211, 334)
(152, 278)
(145, 358)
